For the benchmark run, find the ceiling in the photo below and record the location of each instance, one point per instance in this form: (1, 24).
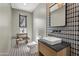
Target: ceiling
(30, 7)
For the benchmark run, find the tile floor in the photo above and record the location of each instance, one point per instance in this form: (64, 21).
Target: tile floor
(24, 50)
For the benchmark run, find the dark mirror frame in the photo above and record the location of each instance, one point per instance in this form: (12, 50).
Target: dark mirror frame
(50, 16)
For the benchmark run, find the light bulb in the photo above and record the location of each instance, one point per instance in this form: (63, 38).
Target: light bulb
(24, 3)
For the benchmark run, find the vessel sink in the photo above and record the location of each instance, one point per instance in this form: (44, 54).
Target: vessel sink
(52, 40)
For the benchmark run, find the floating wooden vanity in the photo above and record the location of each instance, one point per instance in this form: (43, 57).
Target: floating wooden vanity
(61, 49)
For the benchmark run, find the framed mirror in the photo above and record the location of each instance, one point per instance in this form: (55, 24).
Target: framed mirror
(22, 21)
(57, 14)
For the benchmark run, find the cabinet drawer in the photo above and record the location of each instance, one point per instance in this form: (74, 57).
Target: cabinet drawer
(46, 50)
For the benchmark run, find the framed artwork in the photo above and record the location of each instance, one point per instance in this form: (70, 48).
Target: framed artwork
(22, 21)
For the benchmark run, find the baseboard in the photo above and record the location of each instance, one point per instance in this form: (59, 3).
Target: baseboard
(4, 53)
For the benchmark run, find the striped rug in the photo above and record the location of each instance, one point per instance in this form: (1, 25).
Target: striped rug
(23, 50)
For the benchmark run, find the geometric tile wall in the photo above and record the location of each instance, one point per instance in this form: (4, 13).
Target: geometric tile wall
(70, 32)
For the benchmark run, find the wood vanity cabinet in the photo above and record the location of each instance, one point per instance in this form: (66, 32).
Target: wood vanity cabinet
(44, 50)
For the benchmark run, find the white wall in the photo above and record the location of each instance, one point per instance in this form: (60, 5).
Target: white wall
(5, 28)
(15, 22)
(39, 21)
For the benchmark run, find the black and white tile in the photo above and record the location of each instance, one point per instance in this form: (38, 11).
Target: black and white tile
(23, 50)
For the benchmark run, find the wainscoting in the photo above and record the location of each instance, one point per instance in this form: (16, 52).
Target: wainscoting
(70, 32)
